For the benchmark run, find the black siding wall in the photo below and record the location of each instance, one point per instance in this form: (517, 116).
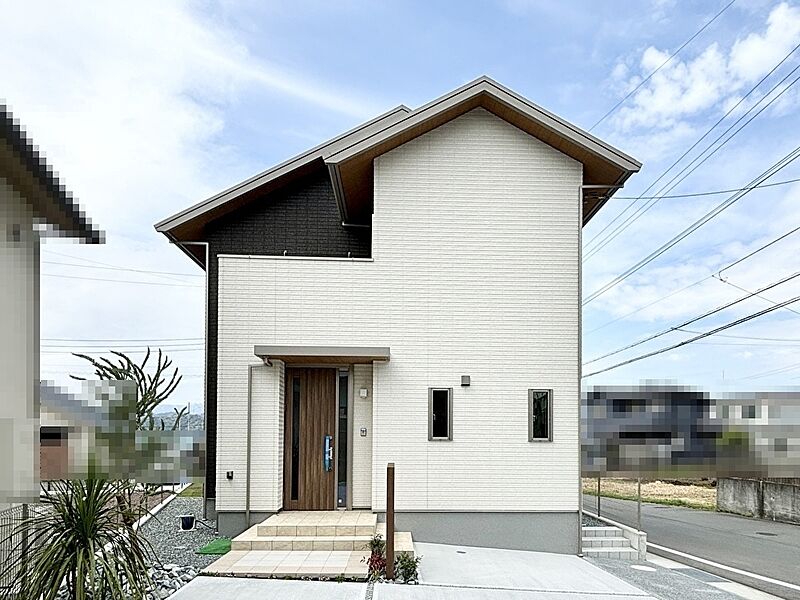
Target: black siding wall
(302, 220)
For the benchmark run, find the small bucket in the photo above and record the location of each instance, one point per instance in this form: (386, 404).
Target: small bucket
(187, 522)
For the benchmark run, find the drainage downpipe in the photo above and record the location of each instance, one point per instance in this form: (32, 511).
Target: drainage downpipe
(172, 240)
(581, 188)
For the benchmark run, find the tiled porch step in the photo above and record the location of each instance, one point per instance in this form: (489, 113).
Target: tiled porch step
(291, 564)
(605, 542)
(611, 552)
(402, 540)
(319, 523)
(318, 542)
(601, 531)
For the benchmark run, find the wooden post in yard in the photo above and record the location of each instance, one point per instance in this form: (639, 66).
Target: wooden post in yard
(598, 496)
(390, 521)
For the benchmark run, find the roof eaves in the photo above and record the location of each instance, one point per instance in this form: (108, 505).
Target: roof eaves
(488, 86)
(43, 178)
(270, 174)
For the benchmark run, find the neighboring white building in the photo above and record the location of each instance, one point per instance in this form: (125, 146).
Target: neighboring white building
(408, 292)
(33, 204)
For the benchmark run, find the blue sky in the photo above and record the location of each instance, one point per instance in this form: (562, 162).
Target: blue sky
(145, 110)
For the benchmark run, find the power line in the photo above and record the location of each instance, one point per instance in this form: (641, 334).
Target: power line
(749, 337)
(104, 264)
(695, 319)
(661, 66)
(791, 367)
(114, 345)
(698, 337)
(714, 193)
(125, 350)
(121, 339)
(698, 282)
(145, 271)
(122, 281)
(740, 288)
(695, 144)
(775, 168)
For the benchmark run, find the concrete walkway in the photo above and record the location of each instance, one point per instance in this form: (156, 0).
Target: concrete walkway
(240, 588)
(762, 547)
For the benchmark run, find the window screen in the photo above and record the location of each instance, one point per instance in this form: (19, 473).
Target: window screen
(440, 408)
(539, 415)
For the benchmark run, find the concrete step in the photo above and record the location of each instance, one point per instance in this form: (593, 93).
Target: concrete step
(605, 542)
(318, 542)
(611, 552)
(402, 540)
(601, 531)
(319, 523)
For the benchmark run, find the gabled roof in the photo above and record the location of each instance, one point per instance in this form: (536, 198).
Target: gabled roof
(188, 224)
(28, 173)
(349, 157)
(603, 165)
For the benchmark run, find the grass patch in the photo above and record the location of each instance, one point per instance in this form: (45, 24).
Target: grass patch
(195, 490)
(653, 500)
(216, 547)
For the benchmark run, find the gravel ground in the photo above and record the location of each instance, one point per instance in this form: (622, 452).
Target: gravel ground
(173, 546)
(665, 584)
(592, 522)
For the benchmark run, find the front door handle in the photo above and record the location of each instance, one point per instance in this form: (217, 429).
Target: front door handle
(327, 453)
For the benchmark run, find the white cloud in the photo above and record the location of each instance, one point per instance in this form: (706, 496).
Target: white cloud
(712, 79)
(129, 103)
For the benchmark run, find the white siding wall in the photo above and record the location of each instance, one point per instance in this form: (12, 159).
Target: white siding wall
(362, 446)
(19, 349)
(475, 272)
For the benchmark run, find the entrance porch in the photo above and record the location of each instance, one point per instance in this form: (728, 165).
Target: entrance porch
(307, 544)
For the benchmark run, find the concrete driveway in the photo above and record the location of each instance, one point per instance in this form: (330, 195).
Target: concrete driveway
(446, 573)
(469, 573)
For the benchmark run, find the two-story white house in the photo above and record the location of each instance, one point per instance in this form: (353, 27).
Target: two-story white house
(407, 292)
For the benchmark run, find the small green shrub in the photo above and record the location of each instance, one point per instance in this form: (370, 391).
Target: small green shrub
(406, 567)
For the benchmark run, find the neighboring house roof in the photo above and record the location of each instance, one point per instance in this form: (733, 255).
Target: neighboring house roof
(349, 157)
(28, 173)
(55, 403)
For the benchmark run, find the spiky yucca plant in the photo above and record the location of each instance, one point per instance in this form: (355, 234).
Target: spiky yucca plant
(81, 536)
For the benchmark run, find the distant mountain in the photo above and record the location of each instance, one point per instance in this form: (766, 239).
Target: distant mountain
(194, 420)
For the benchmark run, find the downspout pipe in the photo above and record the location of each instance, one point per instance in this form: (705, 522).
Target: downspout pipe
(172, 240)
(248, 468)
(581, 189)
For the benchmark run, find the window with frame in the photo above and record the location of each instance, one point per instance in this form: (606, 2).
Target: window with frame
(749, 411)
(540, 415)
(440, 414)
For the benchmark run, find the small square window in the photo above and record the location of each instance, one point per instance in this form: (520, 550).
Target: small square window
(540, 415)
(440, 409)
(749, 411)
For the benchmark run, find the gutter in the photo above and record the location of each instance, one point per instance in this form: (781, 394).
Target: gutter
(581, 188)
(180, 245)
(250, 437)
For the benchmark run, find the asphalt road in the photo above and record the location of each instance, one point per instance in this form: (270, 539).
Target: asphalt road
(763, 547)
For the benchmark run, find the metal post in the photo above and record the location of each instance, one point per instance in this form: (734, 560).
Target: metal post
(639, 503)
(598, 496)
(390, 521)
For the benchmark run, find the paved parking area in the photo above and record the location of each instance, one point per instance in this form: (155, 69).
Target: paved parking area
(516, 570)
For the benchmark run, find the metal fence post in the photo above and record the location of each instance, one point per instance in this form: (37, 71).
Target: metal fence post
(390, 521)
(598, 496)
(639, 503)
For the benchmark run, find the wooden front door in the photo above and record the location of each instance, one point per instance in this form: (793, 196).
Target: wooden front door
(310, 416)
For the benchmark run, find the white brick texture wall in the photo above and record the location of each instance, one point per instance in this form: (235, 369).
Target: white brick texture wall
(475, 272)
